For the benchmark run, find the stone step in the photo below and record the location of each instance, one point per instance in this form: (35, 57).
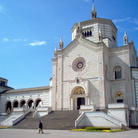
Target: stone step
(55, 120)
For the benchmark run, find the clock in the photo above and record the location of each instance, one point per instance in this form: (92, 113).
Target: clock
(79, 64)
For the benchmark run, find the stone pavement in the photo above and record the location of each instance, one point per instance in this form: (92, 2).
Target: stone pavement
(32, 133)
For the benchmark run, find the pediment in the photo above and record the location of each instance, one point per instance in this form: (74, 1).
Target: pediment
(83, 42)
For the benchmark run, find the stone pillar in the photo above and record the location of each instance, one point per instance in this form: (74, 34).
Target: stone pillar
(101, 79)
(71, 103)
(60, 82)
(54, 84)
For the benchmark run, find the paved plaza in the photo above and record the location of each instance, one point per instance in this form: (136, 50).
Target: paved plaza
(32, 133)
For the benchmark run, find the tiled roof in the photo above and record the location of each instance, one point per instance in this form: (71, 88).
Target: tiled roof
(29, 89)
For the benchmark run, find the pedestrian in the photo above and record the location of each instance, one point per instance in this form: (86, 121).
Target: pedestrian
(40, 127)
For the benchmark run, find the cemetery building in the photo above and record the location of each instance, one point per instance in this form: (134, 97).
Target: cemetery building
(92, 74)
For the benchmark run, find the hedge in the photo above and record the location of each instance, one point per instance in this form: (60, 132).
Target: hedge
(98, 128)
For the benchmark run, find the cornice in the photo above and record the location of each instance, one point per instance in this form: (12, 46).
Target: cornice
(87, 43)
(94, 21)
(120, 50)
(3, 79)
(54, 59)
(29, 89)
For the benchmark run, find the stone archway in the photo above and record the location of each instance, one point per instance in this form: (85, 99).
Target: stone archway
(15, 104)
(8, 107)
(77, 98)
(22, 103)
(37, 102)
(30, 103)
(79, 91)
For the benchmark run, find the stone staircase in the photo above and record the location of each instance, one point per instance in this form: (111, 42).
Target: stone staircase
(62, 120)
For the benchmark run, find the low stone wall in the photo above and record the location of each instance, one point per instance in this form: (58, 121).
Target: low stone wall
(87, 108)
(97, 119)
(42, 111)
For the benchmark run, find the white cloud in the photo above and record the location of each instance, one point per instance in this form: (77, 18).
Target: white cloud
(37, 43)
(2, 9)
(6, 39)
(17, 40)
(121, 20)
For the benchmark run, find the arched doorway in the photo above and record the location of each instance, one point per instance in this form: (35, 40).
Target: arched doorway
(30, 103)
(77, 98)
(15, 104)
(8, 107)
(37, 103)
(22, 103)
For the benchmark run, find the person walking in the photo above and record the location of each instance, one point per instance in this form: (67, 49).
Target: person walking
(40, 127)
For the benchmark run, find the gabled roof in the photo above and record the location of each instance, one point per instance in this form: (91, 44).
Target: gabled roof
(83, 41)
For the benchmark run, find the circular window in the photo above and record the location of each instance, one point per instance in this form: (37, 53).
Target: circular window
(79, 64)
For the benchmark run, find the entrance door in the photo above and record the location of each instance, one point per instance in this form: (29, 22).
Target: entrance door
(80, 101)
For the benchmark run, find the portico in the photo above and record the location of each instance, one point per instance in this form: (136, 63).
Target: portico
(78, 97)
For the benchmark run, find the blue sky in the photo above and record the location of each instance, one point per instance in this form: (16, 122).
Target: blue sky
(31, 29)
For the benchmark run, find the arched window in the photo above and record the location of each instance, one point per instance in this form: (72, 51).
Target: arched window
(119, 97)
(117, 72)
(87, 33)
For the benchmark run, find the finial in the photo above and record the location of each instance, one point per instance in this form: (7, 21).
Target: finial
(55, 49)
(125, 38)
(55, 52)
(79, 26)
(93, 13)
(60, 40)
(125, 34)
(61, 43)
(93, 6)
(79, 30)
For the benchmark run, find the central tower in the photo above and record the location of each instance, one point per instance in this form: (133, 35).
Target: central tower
(96, 30)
